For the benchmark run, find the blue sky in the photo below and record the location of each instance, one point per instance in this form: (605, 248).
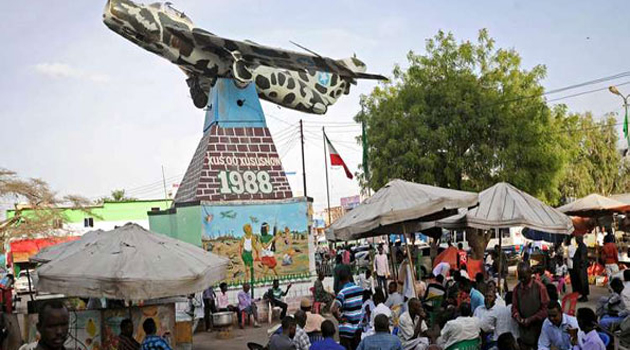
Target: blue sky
(90, 112)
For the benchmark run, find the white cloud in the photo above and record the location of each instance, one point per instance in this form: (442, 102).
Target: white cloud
(62, 71)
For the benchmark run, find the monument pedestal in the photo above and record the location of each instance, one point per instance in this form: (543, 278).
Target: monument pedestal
(236, 158)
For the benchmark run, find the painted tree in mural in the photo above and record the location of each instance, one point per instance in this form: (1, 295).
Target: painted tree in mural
(43, 204)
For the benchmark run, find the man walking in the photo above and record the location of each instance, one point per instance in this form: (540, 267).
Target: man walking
(209, 306)
(381, 268)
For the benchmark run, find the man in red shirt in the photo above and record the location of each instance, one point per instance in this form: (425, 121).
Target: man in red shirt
(529, 307)
(610, 256)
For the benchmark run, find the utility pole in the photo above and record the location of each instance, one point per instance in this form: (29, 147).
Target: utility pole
(326, 166)
(164, 182)
(303, 165)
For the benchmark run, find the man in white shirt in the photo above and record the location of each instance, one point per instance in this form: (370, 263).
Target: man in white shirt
(366, 281)
(462, 328)
(381, 269)
(412, 328)
(497, 318)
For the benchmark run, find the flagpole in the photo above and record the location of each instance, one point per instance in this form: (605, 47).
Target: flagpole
(327, 187)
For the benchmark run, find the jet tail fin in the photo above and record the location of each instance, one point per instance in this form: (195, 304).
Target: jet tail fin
(359, 69)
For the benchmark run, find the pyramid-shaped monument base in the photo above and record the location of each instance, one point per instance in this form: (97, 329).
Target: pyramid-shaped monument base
(236, 158)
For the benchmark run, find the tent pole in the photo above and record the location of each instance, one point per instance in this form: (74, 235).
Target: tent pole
(410, 260)
(393, 259)
(500, 268)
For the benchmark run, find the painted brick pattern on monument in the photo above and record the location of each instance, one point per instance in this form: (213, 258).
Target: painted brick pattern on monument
(233, 149)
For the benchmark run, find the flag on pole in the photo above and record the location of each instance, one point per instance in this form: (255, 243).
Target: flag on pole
(335, 158)
(625, 128)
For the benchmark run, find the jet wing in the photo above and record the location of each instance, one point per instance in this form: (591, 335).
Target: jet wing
(254, 55)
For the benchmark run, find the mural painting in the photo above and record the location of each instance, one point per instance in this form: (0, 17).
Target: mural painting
(266, 239)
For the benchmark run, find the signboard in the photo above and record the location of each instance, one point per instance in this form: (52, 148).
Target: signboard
(349, 203)
(268, 239)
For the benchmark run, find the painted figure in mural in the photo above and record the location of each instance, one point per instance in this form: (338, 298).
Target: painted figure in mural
(267, 243)
(247, 246)
(305, 82)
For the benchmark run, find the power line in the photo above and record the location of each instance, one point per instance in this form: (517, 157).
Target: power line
(587, 92)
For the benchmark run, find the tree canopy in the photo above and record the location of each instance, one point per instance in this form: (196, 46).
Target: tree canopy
(117, 196)
(468, 115)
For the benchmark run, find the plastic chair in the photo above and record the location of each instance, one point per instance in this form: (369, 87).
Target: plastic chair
(470, 344)
(245, 318)
(605, 338)
(317, 306)
(569, 303)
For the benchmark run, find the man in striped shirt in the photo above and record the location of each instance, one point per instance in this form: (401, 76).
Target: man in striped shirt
(347, 309)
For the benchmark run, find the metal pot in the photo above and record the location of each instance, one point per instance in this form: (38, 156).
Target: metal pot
(222, 319)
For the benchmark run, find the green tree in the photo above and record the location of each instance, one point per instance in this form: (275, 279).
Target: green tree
(117, 196)
(465, 116)
(595, 165)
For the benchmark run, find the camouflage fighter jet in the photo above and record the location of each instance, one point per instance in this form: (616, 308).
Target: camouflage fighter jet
(304, 82)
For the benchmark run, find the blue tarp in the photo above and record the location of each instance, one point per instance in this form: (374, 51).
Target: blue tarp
(543, 236)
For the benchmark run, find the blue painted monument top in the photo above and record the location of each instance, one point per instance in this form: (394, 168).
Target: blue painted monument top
(232, 107)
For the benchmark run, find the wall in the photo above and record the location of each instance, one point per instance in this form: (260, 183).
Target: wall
(180, 222)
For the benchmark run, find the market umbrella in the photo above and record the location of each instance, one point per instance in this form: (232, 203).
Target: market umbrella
(132, 263)
(594, 205)
(624, 198)
(504, 205)
(399, 207)
(64, 249)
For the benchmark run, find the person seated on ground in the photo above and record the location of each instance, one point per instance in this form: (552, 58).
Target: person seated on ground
(151, 340)
(612, 309)
(328, 343)
(476, 298)
(435, 288)
(321, 295)
(382, 339)
(590, 340)
(492, 285)
(313, 321)
(274, 296)
(507, 341)
(246, 305)
(395, 300)
(126, 340)
(301, 339)
(366, 281)
(379, 309)
(556, 328)
(223, 303)
(368, 307)
(412, 327)
(462, 328)
(464, 272)
(284, 340)
(498, 319)
(480, 283)
(625, 294)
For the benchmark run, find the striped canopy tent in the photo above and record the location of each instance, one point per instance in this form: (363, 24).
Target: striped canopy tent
(594, 205)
